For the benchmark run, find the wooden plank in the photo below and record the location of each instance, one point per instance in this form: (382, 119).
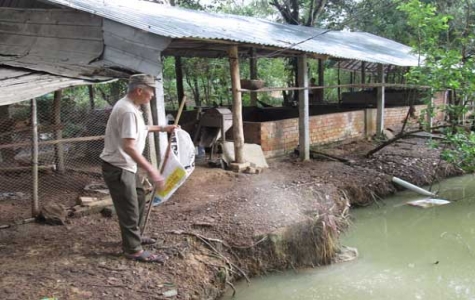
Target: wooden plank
(49, 16)
(368, 85)
(70, 140)
(129, 46)
(53, 30)
(136, 36)
(116, 57)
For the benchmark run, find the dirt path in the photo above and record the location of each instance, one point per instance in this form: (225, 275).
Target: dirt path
(214, 229)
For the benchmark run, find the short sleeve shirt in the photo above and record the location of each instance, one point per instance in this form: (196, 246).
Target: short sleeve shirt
(125, 122)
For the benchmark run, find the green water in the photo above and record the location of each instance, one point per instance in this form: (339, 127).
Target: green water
(404, 253)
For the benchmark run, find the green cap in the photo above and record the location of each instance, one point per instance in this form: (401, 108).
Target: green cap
(145, 79)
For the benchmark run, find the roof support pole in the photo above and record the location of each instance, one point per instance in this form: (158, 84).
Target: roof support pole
(363, 72)
(180, 91)
(161, 120)
(321, 80)
(35, 208)
(304, 132)
(58, 133)
(151, 148)
(238, 131)
(253, 71)
(380, 101)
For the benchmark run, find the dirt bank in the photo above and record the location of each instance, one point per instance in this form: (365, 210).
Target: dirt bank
(218, 227)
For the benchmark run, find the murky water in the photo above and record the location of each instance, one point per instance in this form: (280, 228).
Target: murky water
(405, 253)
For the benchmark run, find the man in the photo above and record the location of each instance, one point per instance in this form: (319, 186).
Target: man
(124, 143)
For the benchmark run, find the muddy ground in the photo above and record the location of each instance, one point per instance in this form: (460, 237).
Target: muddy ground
(214, 229)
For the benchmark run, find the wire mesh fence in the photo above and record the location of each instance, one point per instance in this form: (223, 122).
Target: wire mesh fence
(70, 139)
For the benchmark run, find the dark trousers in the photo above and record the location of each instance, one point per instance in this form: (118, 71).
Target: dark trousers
(128, 196)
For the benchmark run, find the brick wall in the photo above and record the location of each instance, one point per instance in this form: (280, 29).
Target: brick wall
(282, 136)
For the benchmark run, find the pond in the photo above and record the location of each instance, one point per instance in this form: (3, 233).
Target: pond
(405, 252)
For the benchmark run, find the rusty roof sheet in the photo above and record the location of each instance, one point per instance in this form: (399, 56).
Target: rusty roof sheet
(180, 23)
(18, 84)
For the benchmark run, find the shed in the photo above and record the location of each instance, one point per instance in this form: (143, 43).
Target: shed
(50, 44)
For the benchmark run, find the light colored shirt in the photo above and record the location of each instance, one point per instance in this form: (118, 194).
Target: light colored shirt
(125, 122)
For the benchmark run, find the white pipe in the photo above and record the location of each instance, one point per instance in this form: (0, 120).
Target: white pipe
(412, 187)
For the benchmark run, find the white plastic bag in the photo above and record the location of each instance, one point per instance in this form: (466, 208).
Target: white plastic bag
(180, 164)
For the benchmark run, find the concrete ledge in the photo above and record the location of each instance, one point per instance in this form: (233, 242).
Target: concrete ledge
(239, 168)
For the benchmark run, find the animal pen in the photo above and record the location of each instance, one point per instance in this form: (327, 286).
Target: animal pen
(49, 148)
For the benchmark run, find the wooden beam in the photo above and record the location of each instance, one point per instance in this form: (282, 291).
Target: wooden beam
(35, 209)
(152, 150)
(161, 116)
(380, 101)
(238, 131)
(58, 133)
(54, 142)
(356, 85)
(304, 127)
(253, 71)
(180, 91)
(321, 80)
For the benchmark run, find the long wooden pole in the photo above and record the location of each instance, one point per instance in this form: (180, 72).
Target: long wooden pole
(253, 71)
(304, 128)
(380, 102)
(238, 131)
(58, 133)
(35, 210)
(164, 163)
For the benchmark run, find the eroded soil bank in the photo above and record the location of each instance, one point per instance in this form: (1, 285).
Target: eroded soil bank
(218, 227)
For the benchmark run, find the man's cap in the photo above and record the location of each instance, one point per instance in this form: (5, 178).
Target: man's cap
(145, 79)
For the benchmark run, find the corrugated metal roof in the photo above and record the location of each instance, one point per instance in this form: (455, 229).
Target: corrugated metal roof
(18, 85)
(180, 23)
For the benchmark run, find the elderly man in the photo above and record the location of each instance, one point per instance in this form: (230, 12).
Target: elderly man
(124, 143)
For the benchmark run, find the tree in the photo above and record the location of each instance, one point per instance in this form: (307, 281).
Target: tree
(445, 44)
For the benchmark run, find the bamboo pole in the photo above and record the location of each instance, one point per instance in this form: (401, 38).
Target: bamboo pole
(355, 85)
(238, 131)
(58, 134)
(34, 158)
(380, 101)
(54, 142)
(253, 71)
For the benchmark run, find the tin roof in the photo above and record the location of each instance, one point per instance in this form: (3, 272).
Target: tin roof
(20, 84)
(206, 27)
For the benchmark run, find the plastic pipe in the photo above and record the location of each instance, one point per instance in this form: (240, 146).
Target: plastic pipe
(412, 187)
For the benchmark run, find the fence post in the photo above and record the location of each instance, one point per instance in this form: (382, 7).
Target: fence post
(58, 133)
(34, 158)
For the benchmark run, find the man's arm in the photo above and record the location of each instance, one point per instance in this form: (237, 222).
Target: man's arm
(153, 173)
(167, 128)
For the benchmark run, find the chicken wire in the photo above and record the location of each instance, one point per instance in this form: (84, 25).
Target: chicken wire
(68, 153)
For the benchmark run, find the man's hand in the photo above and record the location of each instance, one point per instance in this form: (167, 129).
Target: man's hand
(170, 128)
(157, 179)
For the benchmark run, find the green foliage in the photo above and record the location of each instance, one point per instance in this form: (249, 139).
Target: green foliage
(445, 48)
(461, 149)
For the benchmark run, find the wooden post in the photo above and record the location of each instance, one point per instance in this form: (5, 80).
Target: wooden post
(339, 82)
(429, 113)
(380, 101)
(35, 210)
(253, 71)
(92, 104)
(238, 131)
(6, 128)
(160, 115)
(58, 133)
(304, 132)
(363, 72)
(321, 80)
(152, 150)
(179, 80)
